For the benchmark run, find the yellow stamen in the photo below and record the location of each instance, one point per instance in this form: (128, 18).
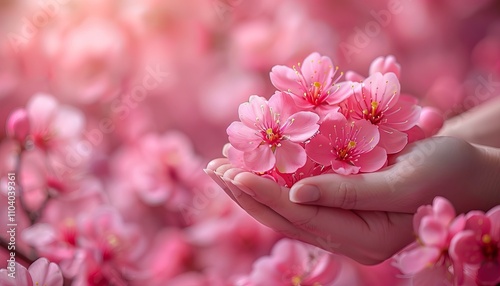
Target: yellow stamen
(112, 240)
(296, 280)
(316, 91)
(374, 107)
(486, 239)
(351, 145)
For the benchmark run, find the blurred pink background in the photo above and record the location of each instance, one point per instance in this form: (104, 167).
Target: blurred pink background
(128, 101)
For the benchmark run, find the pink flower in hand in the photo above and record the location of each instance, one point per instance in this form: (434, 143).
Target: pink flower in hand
(435, 226)
(310, 169)
(294, 263)
(270, 133)
(377, 99)
(40, 272)
(348, 146)
(313, 86)
(479, 245)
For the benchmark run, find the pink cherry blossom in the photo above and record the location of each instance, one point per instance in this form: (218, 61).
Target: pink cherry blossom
(53, 126)
(235, 238)
(313, 86)
(479, 245)
(270, 133)
(105, 232)
(310, 169)
(86, 70)
(377, 99)
(57, 236)
(40, 272)
(294, 263)
(348, 146)
(435, 226)
(18, 125)
(161, 168)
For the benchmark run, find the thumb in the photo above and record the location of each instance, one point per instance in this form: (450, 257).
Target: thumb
(370, 191)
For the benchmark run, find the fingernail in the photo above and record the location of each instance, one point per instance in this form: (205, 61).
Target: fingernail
(233, 188)
(304, 193)
(215, 178)
(244, 188)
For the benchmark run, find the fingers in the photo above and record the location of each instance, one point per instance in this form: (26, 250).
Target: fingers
(267, 216)
(215, 169)
(216, 163)
(368, 237)
(371, 191)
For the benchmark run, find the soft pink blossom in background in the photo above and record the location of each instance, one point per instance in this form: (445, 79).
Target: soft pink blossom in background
(122, 103)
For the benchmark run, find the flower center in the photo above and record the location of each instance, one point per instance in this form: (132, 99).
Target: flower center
(272, 137)
(69, 232)
(489, 248)
(296, 280)
(373, 114)
(343, 153)
(314, 95)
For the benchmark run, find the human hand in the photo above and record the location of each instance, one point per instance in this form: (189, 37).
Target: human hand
(465, 174)
(367, 217)
(478, 125)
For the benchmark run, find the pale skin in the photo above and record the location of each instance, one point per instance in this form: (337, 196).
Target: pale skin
(368, 217)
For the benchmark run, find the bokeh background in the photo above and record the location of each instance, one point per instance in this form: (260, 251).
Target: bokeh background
(143, 92)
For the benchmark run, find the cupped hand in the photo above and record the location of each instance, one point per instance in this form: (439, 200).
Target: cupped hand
(368, 217)
(369, 237)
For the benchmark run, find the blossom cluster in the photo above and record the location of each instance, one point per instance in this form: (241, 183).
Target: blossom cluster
(315, 124)
(451, 249)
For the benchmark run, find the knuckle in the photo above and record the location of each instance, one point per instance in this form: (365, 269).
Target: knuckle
(347, 195)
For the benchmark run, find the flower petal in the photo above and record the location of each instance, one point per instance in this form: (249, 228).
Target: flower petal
(479, 223)
(344, 168)
(290, 157)
(41, 109)
(383, 89)
(367, 135)
(464, 247)
(22, 276)
(443, 210)
(260, 160)
(494, 215)
(253, 111)
(303, 125)
(319, 150)
(287, 80)
(392, 140)
(283, 105)
(414, 261)
(241, 137)
(432, 232)
(489, 273)
(339, 92)
(46, 273)
(317, 68)
(405, 114)
(372, 161)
